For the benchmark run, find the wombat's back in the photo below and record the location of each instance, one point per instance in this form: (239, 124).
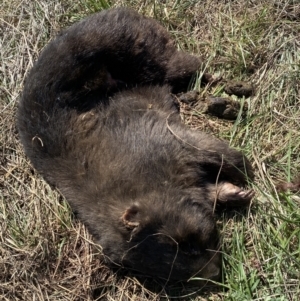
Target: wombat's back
(85, 64)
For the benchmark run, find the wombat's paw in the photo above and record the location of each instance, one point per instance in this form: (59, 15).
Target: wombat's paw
(232, 194)
(221, 107)
(239, 88)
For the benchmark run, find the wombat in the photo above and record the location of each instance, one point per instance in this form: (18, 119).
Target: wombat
(98, 120)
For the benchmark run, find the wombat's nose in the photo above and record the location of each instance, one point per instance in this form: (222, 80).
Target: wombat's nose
(211, 271)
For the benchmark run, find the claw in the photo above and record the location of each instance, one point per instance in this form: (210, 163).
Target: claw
(232, 194)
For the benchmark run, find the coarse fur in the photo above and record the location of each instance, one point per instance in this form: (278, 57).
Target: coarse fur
(98, 120)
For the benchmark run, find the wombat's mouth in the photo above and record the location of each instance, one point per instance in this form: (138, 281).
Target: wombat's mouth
(171, 273)
(180, 265)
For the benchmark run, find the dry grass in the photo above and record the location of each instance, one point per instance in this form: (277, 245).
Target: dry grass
(47, 255)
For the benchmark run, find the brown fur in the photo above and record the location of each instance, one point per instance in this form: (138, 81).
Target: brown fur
(97, 120)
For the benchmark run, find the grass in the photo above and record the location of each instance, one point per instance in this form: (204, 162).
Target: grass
(45, 254)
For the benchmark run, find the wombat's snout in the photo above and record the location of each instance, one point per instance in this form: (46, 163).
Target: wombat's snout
(212, 271)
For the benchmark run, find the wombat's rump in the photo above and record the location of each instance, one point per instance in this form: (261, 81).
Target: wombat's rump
(97, 119)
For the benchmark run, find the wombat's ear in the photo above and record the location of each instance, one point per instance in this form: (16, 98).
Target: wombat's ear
(129, 217)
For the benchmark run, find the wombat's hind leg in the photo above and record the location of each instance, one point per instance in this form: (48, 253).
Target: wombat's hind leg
(230, 194)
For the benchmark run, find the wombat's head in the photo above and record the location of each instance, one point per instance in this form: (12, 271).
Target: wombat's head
(171, 237)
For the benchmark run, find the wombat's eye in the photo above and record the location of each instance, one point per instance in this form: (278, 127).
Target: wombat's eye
(190, 202)
(195, 204)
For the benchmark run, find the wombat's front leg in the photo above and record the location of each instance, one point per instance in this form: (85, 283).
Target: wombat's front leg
(218, 159)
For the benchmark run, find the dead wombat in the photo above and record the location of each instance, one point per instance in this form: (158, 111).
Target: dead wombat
(97, 119)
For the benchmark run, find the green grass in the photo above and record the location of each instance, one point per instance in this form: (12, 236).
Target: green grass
(45, 254)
